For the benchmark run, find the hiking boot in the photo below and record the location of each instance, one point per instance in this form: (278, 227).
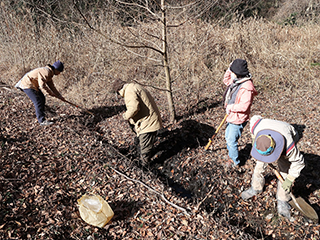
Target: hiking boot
(284, 209)
(46, 123)
(249, 193)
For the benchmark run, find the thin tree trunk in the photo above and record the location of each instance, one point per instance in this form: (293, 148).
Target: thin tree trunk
(172, 111)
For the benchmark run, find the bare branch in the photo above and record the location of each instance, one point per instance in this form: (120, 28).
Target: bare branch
(143, 38)
(44, 12)
(199, 204)
(140, 6)
(145, 85)
(152, 190)
(113, 40)
(184, 6)
(178, 25)
(10, 179)
(153, 59)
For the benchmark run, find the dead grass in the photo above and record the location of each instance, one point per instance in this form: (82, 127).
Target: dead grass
(282, 59)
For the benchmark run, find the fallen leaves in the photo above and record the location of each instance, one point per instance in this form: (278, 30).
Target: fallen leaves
(55, 166)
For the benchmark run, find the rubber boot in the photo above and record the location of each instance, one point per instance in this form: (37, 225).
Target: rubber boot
(284, 209)
(249, 193)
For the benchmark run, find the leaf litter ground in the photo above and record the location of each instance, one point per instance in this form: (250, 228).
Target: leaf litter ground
(44, 170)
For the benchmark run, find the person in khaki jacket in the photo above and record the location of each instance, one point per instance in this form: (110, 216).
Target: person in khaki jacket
(142, 113)
(38, 82)
(274, 141)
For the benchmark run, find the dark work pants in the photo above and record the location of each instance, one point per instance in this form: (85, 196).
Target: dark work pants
(39, 101)
(146, 141)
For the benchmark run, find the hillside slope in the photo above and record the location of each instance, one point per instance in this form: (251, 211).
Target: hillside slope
(44, 170)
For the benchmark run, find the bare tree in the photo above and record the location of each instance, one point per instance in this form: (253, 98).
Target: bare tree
(154, 11)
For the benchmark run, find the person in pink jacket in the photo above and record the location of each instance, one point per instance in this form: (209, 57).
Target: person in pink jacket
(238, 101)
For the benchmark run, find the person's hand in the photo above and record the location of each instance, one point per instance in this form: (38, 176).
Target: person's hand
(286, 185)
(227, 111)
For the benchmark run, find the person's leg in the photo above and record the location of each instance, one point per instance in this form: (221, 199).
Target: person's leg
(38, 100)
(282, 201)
(282, 196)
(146, 141)
(284, 166)
(232, 135)
(257, 181)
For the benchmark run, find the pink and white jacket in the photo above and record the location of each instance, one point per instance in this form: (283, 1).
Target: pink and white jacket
(241, 108)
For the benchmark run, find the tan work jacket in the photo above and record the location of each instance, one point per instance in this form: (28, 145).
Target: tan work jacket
(142, 110)
(40, 78)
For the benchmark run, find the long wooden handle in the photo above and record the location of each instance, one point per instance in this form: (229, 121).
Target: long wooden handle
(78, 107)
(278, 175)
(280, 178)
(222, 122)
(213, 136)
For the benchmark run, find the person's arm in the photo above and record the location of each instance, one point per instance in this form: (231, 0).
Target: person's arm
(54, 90)
(297, 163)
(246, 98)
(227, 77)
(132, 104)
(42, 80)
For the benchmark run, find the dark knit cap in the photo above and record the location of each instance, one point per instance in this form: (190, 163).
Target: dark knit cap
(239, 67)
(58, 66)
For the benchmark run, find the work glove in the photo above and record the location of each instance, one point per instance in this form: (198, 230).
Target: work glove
(286, 185)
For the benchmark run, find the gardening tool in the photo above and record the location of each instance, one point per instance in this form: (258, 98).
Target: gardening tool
(78, 107)
(298, 203)
(213, 136)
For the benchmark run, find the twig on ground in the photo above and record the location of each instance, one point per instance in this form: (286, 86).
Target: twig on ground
(10, 179)
(153, 190)
(145, 185)
(197, 207)
(6, 87)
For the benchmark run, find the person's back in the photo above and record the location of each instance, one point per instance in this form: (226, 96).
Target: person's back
(141, 108)
(31, 79)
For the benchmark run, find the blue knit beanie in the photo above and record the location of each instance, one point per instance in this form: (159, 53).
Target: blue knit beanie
(58, 66)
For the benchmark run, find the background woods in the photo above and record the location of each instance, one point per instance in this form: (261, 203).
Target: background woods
(43, 171)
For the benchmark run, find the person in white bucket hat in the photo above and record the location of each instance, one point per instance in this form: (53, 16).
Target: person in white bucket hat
(274, 141)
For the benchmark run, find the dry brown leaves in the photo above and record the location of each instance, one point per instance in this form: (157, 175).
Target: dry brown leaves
(45, 170)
